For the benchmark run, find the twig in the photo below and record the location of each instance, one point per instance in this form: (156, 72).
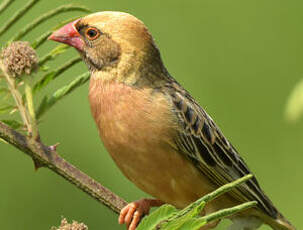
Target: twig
(47, 157)
(18, 98)
(30, 107)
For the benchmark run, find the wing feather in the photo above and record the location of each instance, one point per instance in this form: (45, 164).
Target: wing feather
(200, 139)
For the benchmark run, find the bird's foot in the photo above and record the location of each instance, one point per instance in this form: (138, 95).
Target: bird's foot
(132, 213)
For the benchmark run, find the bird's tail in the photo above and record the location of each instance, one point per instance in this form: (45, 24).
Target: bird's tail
(280, 223)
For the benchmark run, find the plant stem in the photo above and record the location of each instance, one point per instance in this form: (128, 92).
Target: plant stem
(18, 98)
(30, 107)
(48, 157)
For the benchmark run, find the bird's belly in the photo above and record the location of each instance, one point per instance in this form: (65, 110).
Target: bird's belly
(145, 156)
(159, 170)
(137, 131)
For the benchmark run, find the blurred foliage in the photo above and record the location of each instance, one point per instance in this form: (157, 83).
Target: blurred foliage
(294, 107)
(239, 59)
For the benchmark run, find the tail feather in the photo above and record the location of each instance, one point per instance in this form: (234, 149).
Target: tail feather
(280, 223)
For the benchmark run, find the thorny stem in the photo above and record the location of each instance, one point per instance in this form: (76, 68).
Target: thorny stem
(18, 98)
(48, 157)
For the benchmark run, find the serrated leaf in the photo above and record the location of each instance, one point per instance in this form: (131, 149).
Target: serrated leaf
(294, 106)
(48, 102)
(64, 8)
(160, 214)
(46, 79)
(13, 123)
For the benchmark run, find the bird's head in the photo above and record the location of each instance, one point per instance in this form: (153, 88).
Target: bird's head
(112, 42)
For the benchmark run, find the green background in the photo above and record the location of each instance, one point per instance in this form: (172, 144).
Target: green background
(239, 59)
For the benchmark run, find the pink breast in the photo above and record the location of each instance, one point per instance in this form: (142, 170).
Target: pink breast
(128, 119)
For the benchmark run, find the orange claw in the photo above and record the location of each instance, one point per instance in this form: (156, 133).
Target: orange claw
(132, 213)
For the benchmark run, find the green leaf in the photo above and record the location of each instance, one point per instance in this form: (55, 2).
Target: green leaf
(4, 90)
(189, 217)
(46, 79)
(48, 102)
(183, 216)
(6, 109)
(228, 211)
(5, 4)
(64, 8)
(223, 189)
(193, 224)
(53, 53)
(13, 123)
(17, 15)
(4, 141)
(44, 68)
(160, 214)
(40, 40)
(294, 106)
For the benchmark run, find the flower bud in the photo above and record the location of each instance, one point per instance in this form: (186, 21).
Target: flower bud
(73, 226)
(19, 58)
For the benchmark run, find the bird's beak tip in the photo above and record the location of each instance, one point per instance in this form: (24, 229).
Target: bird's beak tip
(52, 37)
(69, 35)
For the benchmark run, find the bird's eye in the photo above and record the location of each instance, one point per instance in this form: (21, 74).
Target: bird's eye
(92, 33)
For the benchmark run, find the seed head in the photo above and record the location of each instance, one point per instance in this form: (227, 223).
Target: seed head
(19, 58)
(73, 226)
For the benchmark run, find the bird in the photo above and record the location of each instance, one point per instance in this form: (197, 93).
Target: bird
(155, 131)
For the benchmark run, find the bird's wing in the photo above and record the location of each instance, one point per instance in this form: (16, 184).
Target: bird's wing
(200, 139)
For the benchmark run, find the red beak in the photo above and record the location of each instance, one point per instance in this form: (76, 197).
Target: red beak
(69, 35)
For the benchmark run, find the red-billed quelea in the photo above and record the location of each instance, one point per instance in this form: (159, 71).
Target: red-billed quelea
(158, 135)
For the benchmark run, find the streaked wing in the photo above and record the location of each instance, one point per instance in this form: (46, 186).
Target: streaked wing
(202, 142)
